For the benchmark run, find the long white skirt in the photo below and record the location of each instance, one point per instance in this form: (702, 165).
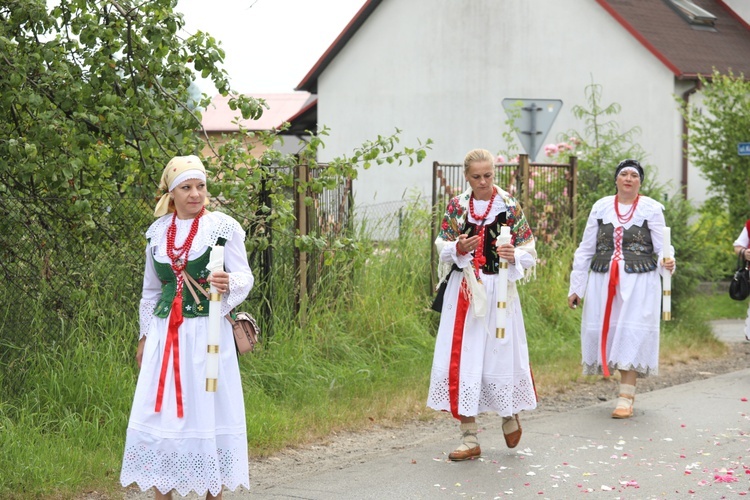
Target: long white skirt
(633, 337)
(494, 374)
(207, 448)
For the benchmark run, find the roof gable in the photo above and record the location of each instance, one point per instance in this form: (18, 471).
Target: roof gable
(686, 51)
(310, 82)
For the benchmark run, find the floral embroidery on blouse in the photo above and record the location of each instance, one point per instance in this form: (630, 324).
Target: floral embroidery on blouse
(520, 230)
(454, 220)
(449, 229)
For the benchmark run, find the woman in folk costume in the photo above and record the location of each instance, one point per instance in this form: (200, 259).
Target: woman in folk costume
(473, 371)
(617, 268)
(180, 436)
(742, 247)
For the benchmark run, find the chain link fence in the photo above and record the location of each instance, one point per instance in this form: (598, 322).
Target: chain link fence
(51, 258)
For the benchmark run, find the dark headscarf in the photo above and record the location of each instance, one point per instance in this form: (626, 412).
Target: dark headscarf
(629, 163)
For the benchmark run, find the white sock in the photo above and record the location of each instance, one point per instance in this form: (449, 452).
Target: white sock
(468, 436)
(626, 390)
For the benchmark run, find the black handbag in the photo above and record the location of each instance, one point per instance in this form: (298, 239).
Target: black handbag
(437, 304)
(739, 287)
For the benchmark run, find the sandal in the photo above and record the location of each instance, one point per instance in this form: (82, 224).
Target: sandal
(514, 437)
(624, 407)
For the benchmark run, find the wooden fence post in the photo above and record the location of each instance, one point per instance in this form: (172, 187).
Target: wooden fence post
(433, 228)
(573, 194)
(523, 163)
(302, 228)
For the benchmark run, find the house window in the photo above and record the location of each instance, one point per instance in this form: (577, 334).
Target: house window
(697, 17)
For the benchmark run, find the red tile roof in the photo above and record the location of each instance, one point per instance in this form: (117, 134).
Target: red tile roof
(686, 51)
(282, 107)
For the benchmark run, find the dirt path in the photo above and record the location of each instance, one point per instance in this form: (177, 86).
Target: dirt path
(343, 448)
(339, 450)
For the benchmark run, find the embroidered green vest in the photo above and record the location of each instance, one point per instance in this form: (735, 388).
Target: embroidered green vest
(195, 268)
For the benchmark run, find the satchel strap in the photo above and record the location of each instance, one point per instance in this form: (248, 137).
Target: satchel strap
(190, 282)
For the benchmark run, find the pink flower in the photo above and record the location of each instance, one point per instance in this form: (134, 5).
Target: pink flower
(500, 159)
(727, 478)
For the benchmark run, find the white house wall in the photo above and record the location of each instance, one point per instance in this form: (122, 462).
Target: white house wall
(741, 8)
(440, 69)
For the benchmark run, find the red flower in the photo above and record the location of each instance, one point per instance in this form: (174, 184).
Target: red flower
(444, 226)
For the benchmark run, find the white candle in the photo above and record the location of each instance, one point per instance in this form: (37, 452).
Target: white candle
(502, 286)
(216, 263)
(667, 278)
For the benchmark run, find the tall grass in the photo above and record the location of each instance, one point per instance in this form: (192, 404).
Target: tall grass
(362, 357)
(65, 427)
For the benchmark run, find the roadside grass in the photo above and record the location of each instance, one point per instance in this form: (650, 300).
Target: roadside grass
(362, 358)
(718, 305)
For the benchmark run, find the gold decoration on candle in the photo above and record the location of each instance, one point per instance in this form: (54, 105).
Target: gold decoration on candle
(212, 384)
(212, 349)
(667, 292)
(667, 316)
(215, 297)
(500, 333)
(501, 305)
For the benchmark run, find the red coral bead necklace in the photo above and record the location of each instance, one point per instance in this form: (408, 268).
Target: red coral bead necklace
(479, 259)
(624, 219)
(178, 255)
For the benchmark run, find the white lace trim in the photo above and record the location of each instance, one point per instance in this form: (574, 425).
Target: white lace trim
(146, 311)
(213, 225)
(604, 209)
(185, 465)
(504, 396)
(239, 287)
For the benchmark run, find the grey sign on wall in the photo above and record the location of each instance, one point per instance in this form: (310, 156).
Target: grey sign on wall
(532, 118)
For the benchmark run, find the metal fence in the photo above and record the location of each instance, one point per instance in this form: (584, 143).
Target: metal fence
(546, 192)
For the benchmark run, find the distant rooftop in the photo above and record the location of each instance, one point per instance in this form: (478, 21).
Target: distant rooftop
(218, 117)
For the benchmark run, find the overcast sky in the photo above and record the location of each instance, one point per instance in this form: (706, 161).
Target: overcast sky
(270, 45)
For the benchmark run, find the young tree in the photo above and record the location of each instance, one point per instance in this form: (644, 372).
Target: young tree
(95, 97)
(716, 124)
(600, 146)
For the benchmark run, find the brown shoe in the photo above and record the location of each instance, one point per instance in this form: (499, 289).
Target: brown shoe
(460, 454)
(624, 410)
(513, 438)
